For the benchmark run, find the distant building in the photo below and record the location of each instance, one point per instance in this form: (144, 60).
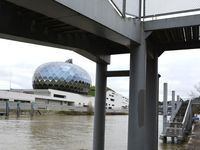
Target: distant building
(63, 76)
(62, 86)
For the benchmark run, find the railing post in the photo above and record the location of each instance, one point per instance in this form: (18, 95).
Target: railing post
(124, 8)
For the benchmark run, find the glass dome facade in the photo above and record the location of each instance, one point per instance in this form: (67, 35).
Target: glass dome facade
(61, 76)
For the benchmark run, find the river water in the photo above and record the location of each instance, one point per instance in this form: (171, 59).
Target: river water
(61, 132)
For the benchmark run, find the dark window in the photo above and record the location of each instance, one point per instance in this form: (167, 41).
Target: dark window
(4, 100)
(70, 103)
(21, 101)
(109, 107)
(59, 96)
(112, 99)
(111, 95)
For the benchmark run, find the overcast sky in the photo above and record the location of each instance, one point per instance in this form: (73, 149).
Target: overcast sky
(18, 62)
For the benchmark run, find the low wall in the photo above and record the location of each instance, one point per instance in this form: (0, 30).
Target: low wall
(56, 108)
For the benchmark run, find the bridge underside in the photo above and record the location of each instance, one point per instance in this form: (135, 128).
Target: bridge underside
(22, 24)
(176, 38)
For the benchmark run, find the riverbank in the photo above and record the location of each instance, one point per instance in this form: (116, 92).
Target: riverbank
(53, 112)
(194, 141)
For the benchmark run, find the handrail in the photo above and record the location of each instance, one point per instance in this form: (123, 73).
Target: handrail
(186, 118)
(187, 112)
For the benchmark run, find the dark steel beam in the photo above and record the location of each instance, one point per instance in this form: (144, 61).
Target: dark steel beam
(180, 45)
(121, 73)
(176, 22)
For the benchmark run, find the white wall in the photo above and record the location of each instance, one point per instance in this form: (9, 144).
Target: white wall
(16, 96)
(114, 100)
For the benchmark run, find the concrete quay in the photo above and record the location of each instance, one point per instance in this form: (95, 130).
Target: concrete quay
(194, 141)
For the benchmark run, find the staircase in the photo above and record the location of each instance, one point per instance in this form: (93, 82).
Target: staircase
(180, 124)
(181, 112)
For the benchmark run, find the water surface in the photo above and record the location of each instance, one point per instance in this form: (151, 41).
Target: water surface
(63, 132)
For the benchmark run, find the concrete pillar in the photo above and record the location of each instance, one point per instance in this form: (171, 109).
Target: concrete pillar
(99, 111)
(7, 108)
(32, 109)
(165, 89)
(137, 97)
(18, 109)
(151, 109)
(173, 102)
(178, 98)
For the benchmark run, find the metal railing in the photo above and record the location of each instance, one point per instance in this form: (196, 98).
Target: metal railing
(158, 8)
(155, 9)
(124, 9)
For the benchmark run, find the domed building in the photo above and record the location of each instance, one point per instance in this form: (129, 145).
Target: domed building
(61, 86)
(63, 76)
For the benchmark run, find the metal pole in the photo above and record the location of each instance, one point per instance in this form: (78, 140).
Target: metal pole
(144, 9)
(99, 112)
(165, 107)
(140, 9)
(173, 103)
(137, 97)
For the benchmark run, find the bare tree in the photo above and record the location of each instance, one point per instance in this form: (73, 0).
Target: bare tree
(197, 87)
(196, 93)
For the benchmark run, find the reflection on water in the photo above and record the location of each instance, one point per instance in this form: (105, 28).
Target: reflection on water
(65, 132)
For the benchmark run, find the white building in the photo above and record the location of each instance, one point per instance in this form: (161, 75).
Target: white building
(61, 86)
(49, 99)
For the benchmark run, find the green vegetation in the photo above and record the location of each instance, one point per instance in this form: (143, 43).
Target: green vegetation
(92, 90)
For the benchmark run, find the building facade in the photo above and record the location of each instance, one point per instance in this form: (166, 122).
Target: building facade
(61, 86)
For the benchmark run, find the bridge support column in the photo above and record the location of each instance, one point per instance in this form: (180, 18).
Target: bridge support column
(151, 109)
(99, 112)
(137, 97)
